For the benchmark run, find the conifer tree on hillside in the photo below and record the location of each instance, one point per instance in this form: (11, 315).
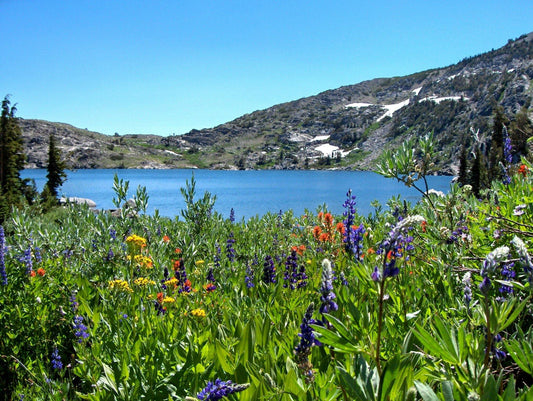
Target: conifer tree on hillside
(520, 130)
(56, 172)
(495, 154)
(12, 160)
(462, 178)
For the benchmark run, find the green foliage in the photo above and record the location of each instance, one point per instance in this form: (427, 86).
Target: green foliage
(166, 307)
(56, 170)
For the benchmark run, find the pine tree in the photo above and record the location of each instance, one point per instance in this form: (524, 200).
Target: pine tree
(12, 160)
(521, 129)
(495, 153)
(56, 171)
(463, 166)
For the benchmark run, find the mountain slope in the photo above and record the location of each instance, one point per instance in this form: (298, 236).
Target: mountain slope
(346, 127)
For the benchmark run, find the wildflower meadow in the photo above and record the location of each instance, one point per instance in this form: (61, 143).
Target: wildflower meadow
(428, 301)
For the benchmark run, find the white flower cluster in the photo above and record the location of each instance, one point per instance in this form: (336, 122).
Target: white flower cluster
(494, 258)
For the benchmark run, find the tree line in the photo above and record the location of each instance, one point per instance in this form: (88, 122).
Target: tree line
(484, 159)
(15, 191)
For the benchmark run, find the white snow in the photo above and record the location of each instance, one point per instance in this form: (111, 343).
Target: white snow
(327, 149)
(320, 138)
(417, 91)
(440, 99)
(359, 105)
(392, 108)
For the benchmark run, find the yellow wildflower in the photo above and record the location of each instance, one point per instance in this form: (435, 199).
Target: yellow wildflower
(136, 240)
(173, 282)
(198, 312)
(120, 285)
(143, 261)
(200, 262)
(168, 300)
(143, 282)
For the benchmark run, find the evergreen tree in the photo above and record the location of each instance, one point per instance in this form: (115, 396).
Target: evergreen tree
(12, 160)
(475, 175)
(56, 171)
(495, 153)
(520, 130)
(463, 166)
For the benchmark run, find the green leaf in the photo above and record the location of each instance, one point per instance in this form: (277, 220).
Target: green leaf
(426, 392)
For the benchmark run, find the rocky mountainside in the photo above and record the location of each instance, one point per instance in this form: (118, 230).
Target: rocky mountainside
(347, 127)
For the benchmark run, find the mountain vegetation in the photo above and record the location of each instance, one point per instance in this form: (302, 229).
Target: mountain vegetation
(345, 128)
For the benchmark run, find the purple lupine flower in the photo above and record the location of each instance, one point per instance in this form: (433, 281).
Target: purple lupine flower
(467, 291)
(26, 259)
(498, 353)
(507, 148)
(307, 340)
(210, 276)
(326, 289)
(353, 236)
(166, 277)
(484, 286)
(508, 274)
(230, 251)
(219, 389)
(181, 275)
(291, 271)
(249, 278)
(376, 275)
(113, 233)
(3, 249)
(232, 215)
(460, 231)
(396, 244)
(73, 302)
(56, 360)
(216, 258)
(80, 330)
(269, 271)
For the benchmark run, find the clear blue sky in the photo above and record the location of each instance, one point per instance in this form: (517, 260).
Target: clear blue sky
(163, 67)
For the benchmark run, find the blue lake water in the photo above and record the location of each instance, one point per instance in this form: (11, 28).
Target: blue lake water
(249, 193)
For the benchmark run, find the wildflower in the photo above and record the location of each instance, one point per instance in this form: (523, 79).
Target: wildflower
(493, 259)
(219, 389)
(326, 289)
(307, 340)
(230, 251)
(113, 233)
(110, 255)
(376, 275)
(467, 291)
(41, 272)
(120, 285)
(80, 330)
(26, 259)
(519, 210)
(269, 271)
(198, 312)
(168, 300)
(166, 239)
(316, 232)
(73, 302)
(177, 250)
(199, 263)
(210, 287)
(56, 360)
(507, 274)
(291, 270)
(32, 273)
(143, 282)
(340, 227)
(144, 262)
(180, 274)
(232, 215)
(328, 220)
(525, 260)
(136, 241)
(523, 170)
(353, 235)
(216, 258)
(3, 249)
(250, 276)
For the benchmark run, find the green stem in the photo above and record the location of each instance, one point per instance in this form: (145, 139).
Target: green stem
(380, 323)
(489, 333)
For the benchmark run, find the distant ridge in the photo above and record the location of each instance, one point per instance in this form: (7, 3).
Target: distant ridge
(345, 128)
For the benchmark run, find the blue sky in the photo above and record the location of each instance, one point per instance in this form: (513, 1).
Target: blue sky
(166, 67)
